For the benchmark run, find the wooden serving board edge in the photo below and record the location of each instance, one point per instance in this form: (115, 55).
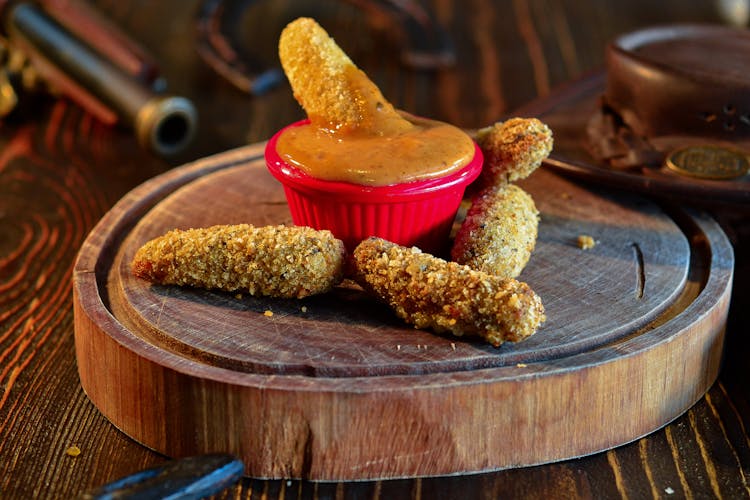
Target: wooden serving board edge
(287, 426)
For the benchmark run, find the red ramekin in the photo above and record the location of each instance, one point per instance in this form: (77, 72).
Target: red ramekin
(416, 213)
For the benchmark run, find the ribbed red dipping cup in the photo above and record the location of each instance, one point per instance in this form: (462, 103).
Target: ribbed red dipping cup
(418, 213)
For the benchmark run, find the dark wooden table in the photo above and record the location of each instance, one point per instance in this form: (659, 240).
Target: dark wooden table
(61, 170)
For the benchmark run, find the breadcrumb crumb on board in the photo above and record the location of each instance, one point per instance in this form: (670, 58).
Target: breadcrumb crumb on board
(585, 242)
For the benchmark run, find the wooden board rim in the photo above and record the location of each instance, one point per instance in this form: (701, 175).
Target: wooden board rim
(709, 307)
(721, 258)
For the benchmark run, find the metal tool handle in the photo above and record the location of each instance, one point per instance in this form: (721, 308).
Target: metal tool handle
(187, 478)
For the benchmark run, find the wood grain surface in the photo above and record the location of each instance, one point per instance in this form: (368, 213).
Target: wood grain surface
(639, 268)
(635, 331)
(61, 171)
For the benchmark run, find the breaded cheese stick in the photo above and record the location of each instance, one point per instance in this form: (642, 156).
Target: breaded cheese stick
(335, 94)
(274, 261)
(429, 292)
(513, 149)
(499, 232)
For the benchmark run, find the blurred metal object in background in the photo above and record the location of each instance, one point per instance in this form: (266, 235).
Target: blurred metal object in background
(426, 45)
(734, 12)
(217, 50)
(97, 31)
(423, 42)
(186, 478)
(114, 81)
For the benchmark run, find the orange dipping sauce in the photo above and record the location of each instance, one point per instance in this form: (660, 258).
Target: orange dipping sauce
(424, 149)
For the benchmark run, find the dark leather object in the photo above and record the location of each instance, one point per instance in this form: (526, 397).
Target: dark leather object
(667, 109)
(669, 87)
(681, 80)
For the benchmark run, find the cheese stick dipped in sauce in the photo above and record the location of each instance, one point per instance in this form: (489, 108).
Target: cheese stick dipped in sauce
(355, 135)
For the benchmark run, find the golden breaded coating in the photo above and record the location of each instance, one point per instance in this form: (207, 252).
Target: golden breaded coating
(499, 232)
(334, 93)
(429, 292)
(274, 261)
(513, 149)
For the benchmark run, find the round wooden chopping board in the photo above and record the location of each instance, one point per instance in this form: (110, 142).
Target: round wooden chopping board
(335, 387)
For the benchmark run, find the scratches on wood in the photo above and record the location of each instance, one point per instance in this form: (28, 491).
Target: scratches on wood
(640, 271)
(614, 464)
(490, 61)
(735, 412)
(643, 453)
(564, 38)
(673, 446)
(705, 455)
(534, 46)
(737, 462)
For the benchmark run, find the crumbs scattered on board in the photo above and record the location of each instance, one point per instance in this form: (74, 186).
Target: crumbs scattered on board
(268, 313)
(585, 242)
(73, 451)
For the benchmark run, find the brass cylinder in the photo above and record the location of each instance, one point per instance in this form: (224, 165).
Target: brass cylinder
(165, 124)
